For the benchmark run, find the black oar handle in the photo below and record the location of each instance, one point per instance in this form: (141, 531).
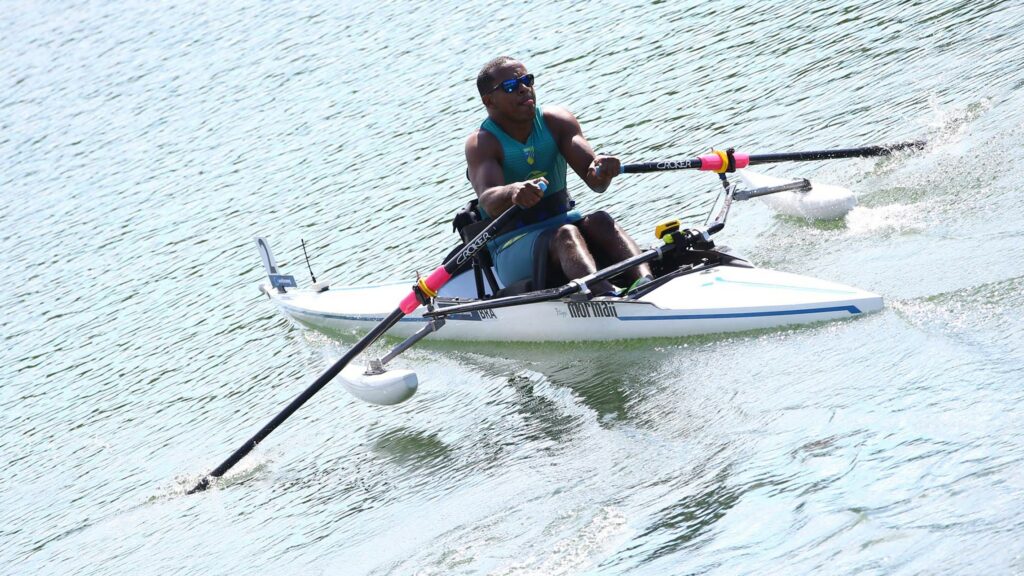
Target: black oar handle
(410, 303)
(719, 160)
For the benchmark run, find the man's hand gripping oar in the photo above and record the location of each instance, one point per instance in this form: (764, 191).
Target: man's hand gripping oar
(425, 289)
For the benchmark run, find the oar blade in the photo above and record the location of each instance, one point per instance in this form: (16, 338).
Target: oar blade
(821, 202)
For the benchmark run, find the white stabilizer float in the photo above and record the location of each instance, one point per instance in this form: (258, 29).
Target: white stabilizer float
(376, 386)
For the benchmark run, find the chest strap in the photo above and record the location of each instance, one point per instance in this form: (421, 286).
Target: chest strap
(549, 206)
(468, 223)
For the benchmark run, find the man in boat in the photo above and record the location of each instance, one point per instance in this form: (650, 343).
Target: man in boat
(516, 148)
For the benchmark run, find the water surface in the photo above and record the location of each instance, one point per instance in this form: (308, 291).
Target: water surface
(143, 146)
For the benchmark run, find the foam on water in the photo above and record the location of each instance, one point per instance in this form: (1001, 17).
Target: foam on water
(895, 218)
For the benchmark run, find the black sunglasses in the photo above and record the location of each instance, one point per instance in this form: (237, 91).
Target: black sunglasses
(509, 86)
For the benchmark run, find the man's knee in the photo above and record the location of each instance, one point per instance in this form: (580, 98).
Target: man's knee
(568, 234)
(597, 222)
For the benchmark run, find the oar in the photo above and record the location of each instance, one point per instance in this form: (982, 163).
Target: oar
(816, 202)
(429, 286)
(727, 161)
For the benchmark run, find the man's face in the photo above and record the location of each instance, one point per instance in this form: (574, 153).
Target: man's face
(521, 103)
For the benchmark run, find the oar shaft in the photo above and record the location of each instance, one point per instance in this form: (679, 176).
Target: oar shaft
(715, 161)
(862, 152)
(299, 400)
(662, 166)
(433, 283)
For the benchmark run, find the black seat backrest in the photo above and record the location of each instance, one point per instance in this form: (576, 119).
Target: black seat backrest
(467, 216)
(468, 224)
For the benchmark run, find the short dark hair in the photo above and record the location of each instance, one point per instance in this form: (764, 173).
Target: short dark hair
(485, 79)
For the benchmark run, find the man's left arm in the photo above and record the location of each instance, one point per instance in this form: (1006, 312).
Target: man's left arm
(596, 171)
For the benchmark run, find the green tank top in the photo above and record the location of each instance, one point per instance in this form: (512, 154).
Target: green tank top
(538, 157)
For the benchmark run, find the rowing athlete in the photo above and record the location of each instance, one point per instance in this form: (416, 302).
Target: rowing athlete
(521, 145)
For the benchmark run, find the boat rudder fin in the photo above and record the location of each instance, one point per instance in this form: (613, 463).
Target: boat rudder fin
(277, 280)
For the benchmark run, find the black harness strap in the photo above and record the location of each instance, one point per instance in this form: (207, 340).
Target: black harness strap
(467, 222)
(549, 206)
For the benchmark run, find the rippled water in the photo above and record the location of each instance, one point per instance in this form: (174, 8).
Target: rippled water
(143, 145)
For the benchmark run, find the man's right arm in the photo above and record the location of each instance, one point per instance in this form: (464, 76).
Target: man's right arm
(483, 152)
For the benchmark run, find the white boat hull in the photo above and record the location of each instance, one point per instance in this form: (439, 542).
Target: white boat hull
(717, 300)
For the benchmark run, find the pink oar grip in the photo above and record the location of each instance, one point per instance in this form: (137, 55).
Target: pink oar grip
(434, 282)
(714, 161)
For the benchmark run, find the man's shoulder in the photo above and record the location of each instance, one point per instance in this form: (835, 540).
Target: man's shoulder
(481, 136)
(556, 113)
(482, 141)
(558, 118)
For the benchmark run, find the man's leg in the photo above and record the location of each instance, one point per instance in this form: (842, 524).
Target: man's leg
(569, 250)
(610, 243)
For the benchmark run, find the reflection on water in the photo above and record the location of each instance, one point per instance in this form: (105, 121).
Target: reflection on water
(676, 525)
(411, 448)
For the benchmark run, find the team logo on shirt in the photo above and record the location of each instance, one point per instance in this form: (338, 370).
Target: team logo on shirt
(529, 152)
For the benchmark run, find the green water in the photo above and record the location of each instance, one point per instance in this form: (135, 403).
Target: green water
(144, 145)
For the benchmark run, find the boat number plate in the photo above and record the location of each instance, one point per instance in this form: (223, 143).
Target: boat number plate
(280, 281)
(592, 310)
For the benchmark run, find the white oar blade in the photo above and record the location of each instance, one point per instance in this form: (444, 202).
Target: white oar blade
(385, 389)
(821, 202)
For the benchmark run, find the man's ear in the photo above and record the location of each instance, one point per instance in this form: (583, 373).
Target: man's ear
(487, 100)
